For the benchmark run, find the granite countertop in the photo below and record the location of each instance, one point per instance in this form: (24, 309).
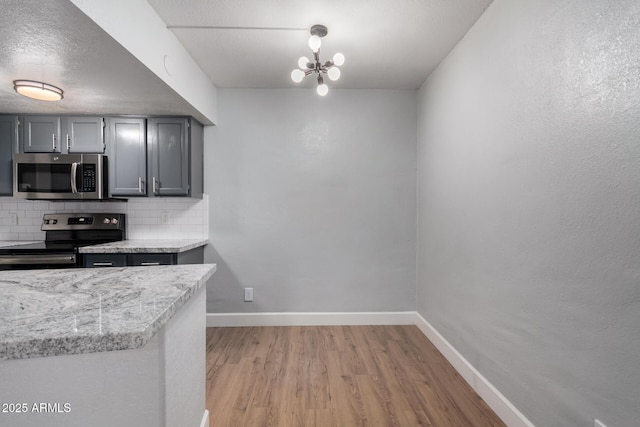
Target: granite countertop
(145, 246)
(87, 310)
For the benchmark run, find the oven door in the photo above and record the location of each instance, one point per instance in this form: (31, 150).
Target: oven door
(35, 261)
(59, 176)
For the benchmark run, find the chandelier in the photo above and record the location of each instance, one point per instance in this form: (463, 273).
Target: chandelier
(306, 66)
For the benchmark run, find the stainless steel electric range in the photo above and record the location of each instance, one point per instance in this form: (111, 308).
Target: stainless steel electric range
(65, 233)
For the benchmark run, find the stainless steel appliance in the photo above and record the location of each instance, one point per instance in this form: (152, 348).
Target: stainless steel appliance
(60, 176)
(65, 233)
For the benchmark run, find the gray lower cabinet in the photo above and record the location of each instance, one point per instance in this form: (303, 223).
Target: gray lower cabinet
(193, 256)
(8, 146)
(174, 157)
(83, 134)
(105, 260)
(41, 134)
(153, 259)
(127, 156)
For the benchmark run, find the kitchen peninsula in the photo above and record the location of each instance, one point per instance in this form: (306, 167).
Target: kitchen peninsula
(103, 347)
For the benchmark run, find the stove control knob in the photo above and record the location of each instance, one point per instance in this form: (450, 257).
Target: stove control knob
(106, 221)
(114, 220)
(54, 221)
(46, 221)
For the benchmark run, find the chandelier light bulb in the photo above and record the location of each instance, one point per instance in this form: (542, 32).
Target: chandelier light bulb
(297, 75)
(334, 73)
(338, 59)
(302, 62)
(314, 43)
(323, 89)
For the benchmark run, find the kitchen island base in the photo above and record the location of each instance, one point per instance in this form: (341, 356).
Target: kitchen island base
(160, 384)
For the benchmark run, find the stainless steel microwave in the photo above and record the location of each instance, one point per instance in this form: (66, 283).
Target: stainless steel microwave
(60, 176)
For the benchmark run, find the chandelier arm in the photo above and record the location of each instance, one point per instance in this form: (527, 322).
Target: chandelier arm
(307, 72)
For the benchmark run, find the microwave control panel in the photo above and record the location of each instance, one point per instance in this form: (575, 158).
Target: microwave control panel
(88, 178)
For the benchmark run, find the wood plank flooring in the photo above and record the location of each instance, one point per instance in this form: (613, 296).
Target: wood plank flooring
(335, 376)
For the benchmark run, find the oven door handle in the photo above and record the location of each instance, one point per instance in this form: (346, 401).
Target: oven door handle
(37, 259)
(74, 177)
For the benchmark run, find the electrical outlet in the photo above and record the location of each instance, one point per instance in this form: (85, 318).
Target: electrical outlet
(248, 294)
(164, 218)
(13, 219)
(598, 423)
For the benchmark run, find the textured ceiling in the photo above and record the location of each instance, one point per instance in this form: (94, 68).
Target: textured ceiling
(54, 42)
(388, 44)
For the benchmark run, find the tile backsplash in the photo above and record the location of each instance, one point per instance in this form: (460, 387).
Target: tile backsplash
(147, 218)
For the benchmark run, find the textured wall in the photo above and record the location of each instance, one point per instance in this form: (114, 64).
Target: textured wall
(529, 206)
(312, 200)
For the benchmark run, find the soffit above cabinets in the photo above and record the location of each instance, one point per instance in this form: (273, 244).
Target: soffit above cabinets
(54, 42)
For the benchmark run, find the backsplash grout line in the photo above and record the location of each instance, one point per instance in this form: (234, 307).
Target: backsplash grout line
(187, 218)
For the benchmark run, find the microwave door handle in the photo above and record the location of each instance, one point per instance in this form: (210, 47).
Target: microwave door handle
(74, 176)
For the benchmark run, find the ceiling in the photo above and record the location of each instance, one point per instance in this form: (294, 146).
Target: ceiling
(388, 44)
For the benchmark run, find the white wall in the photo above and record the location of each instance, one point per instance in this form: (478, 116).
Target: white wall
(529, 206)
(312, 200)
(187, 218)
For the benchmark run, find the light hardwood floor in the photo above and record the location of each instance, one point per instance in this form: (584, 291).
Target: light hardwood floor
(335, 376)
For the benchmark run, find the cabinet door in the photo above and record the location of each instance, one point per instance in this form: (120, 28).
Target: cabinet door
(152, 259)
(104, 260)
(41, 134)
(84, 134)
(126, 151)
(8, 145)
(169, 156)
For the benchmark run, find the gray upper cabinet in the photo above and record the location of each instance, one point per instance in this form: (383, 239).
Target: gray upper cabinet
(159, 156)
(41, 134)
(8, 145)
(126, 151)
(168, 156)
(83, 134)
(53, 134)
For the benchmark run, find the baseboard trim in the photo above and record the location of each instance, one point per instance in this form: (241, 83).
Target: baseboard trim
(205, 419)
(508, 413)
(311, 319)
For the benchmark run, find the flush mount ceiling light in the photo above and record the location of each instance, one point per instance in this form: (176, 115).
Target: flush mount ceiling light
(306, 67)
(38, 90)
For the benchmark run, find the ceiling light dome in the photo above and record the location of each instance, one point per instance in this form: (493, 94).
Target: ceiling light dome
(38, 90)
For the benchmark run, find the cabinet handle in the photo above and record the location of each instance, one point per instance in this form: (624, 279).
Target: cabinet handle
(68, 143)
(149, 263)
(102, 264)
(154, 185)
(53, 141)
(140, 184)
